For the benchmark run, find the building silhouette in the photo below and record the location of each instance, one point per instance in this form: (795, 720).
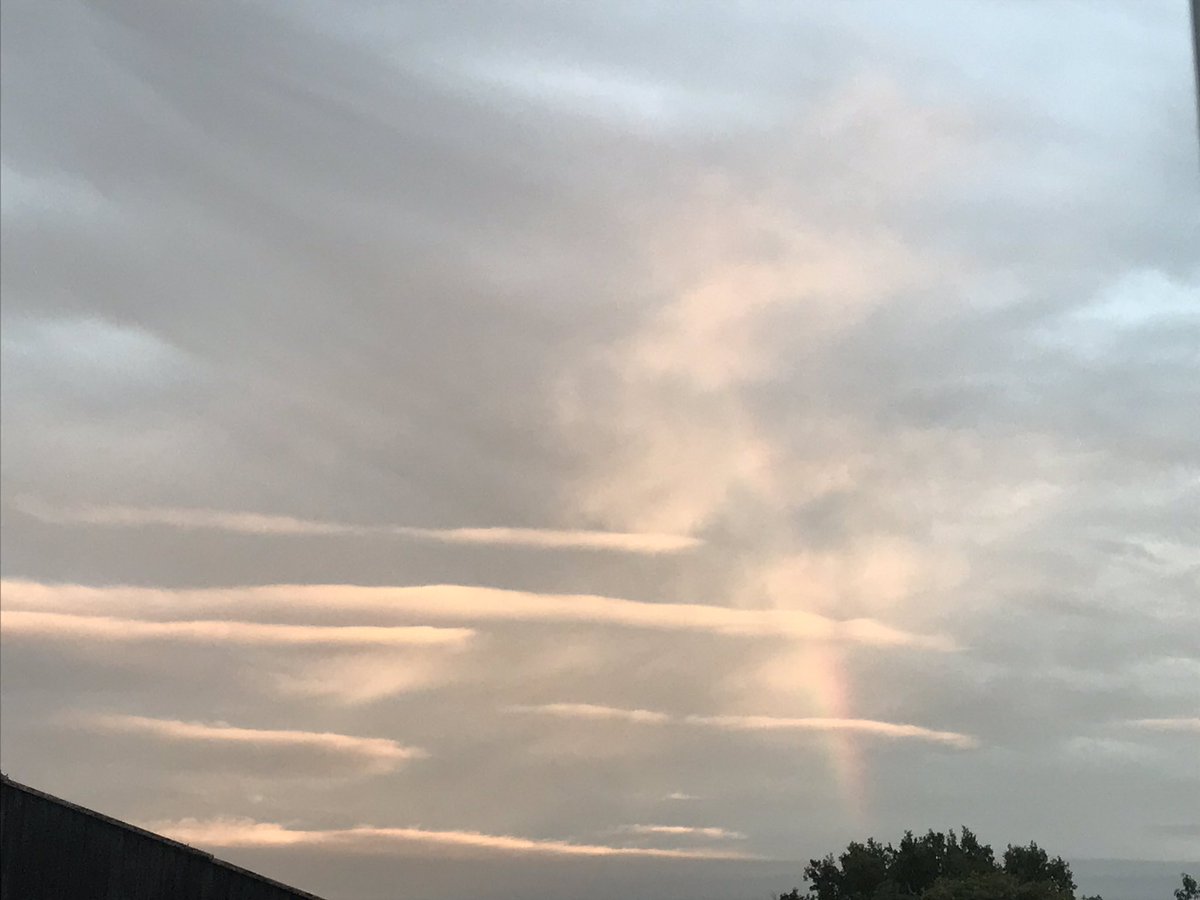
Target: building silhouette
(54, 850)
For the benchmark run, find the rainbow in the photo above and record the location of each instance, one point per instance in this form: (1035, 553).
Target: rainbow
(829, 684)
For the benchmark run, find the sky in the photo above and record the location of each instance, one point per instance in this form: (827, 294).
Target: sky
(563, 450)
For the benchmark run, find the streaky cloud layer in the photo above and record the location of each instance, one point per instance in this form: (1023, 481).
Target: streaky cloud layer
(239, 522)
(26, 623)
(472, 603)
(382, 754)
(893, 306)
(894, 730)
(226, 833)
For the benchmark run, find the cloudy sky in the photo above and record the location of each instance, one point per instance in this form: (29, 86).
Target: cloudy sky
(576, 450)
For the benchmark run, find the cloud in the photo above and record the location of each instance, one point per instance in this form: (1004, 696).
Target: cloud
(1108, 752)
(859, 726)
(891, 730)
(592, 711)
(843, 289)
(630, 542)
(260, 524)
(719, 834)
(380, 754)
(1183, 830)
(1179, 723)
(470, 603)
(24, 623)
(226, 833)
(136, 516)
(363, 677)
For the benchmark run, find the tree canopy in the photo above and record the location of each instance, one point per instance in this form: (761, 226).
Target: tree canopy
(939, 866)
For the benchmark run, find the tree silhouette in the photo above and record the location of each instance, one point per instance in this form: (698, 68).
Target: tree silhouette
(943, 866)
(1033, 864)
(1189, 891)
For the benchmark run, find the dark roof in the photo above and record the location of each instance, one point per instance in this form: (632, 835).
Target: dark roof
(126, 828)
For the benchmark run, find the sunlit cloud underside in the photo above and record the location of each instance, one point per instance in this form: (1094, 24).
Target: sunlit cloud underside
(462, 602)
(224, 833)
(248, 523)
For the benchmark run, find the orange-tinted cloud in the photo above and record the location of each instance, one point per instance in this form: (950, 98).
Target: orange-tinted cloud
(894, 730)
(248, 833)
(27, 623)
(257, 523)
(380, 754)
(472, 603)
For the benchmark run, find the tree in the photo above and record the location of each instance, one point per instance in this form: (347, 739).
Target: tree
(1032, 863)
(993, 886)
(966, 856)
(825, 877)
(1189, 891)
(917, 862)
(864, 867)
(943, 866)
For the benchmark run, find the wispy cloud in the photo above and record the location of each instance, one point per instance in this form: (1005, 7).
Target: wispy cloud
(861, 726)
(592, 711)
(258, 523)
(249, 833)
(892, 730)
(24, 623)
(1180, 723)
(380, 754)
(627, 541)
(176, 517)
(364, 675)
(711, 832)
(471, 603)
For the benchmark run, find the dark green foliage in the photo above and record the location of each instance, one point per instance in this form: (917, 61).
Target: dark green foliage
(825, 877)
(966, 856)
(994, 886)
(917, 862)
(1032, 863)
(1189, 891)
(943, 866)
(864, 867)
